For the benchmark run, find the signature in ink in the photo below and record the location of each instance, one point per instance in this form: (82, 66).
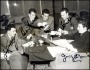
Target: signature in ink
(75, 58)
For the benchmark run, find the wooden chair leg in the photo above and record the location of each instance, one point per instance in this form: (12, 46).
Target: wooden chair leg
(33, 66)
(49, 64)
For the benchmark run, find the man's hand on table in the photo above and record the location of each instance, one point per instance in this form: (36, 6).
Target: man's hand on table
(29, 36)
(55, 33)
(65, 32)
(30, 43)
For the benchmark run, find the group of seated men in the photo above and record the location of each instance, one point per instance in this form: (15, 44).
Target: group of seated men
(30, 41)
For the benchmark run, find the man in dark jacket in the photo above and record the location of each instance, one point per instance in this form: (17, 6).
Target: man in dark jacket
(81, 41)
(11, 49)
(67, 24)
(27, 29)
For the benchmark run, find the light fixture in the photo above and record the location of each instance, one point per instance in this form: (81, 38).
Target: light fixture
(15, 4)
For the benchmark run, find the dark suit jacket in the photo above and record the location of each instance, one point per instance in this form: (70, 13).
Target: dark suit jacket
(16, 60)
(71, 27)
(82, 42)
(6, 44)
(73, 22)
(26, 23)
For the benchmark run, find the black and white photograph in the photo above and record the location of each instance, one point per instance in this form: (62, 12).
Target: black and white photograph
(44, 34)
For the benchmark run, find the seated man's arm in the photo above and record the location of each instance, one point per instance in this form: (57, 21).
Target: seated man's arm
(74, 23)
(50, 24)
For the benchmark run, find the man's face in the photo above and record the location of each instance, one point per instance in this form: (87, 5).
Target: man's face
(64, 15)
(45, 16)
(12, 32)
(80, 28)
(32, 15)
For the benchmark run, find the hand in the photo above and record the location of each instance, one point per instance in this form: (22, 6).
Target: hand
(41, 41)
(39, 24)
(65, 32)
(52, 33)
(25, 45)
(60, 30)
(55, 33)
(30, 43)
(58, 33)
(29, 36)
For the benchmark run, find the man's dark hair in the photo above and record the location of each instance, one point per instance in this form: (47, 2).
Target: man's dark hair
(45, 11)
(64, 9)
(9, 26)
(32, 10)
(84, 23)
(3, 18)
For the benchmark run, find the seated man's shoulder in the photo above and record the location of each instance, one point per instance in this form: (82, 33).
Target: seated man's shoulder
(51, 17)
(73, 18)
(25, 17)
(39, 19)
(61, 20)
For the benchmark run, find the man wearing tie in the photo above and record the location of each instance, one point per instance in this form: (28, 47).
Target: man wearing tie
(11, 50)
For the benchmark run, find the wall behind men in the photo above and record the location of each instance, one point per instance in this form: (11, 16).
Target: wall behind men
(72, 5)
(24, 6)
(4, 8)
(16, 10)
(47, 5)
(31, 4)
